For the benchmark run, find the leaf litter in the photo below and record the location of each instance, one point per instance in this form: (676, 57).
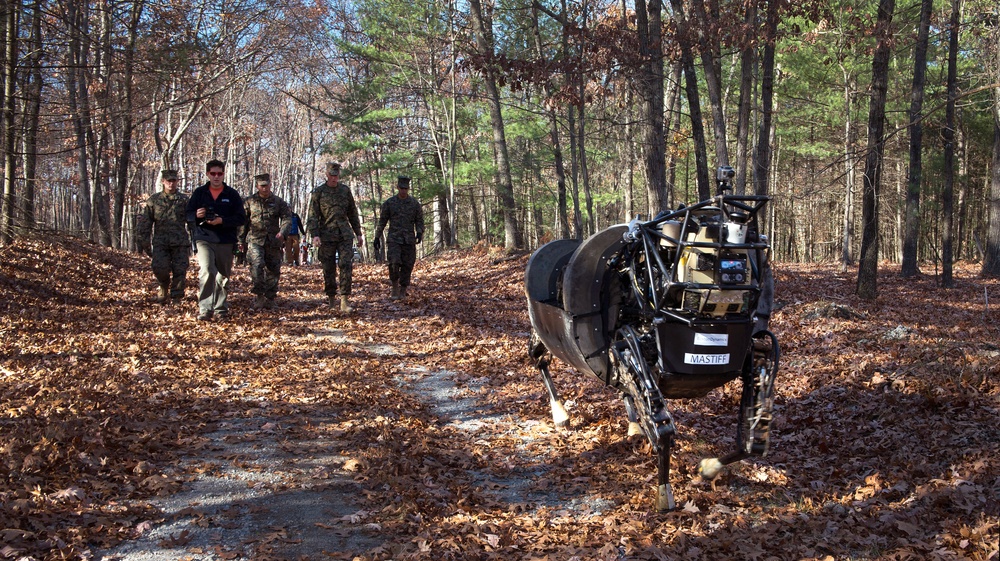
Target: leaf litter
(419, 429)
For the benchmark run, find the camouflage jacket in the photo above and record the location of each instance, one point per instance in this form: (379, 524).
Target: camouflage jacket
(163, 216)
(405, 218)
(265, 218)
(333, 216)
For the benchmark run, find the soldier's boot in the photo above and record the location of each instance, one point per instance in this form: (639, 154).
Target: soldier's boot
(331, 301)
(343, 305)
(394, 291)
(258, 302)
(269, 303)
(163, 294)
(402, 292)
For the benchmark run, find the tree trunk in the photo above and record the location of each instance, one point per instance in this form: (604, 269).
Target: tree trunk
(847, 237)
(948, 135)
(867, 287)
(911, 227)
(581, 143)
(713, 80)
(762, 159)
(650, 88)
(694, 103)
(747, 60)
(10, 14)
(101, 155)
(442, 222)
(505, 188)
(74, 75)
(991, 259)
(32, 111)
(562, 218)
(127, 126)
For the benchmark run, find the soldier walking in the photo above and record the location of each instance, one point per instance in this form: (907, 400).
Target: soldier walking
(405, 217)
(163, 216)
(268, 222)
(333, 224)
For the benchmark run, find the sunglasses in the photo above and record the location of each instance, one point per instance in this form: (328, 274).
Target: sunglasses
(216, 173)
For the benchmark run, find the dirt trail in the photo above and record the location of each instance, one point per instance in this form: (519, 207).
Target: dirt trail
(256, 495)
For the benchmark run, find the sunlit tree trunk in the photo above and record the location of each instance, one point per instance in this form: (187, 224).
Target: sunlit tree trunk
(32, 110)
(10, 14)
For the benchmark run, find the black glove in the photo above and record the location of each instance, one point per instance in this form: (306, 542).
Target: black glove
(377, 244)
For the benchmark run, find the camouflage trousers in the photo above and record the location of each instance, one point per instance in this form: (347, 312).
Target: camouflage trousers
(401, 258)
(265, 268)
(336, 255)
(167, 260)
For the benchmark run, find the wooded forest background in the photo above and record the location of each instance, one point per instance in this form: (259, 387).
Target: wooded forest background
(875, 126)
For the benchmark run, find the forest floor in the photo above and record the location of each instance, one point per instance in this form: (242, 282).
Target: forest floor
(419, 429)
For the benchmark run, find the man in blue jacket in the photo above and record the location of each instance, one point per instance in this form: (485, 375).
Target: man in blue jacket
(216, 214)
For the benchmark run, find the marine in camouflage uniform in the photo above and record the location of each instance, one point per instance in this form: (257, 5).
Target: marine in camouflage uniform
(269, 220)
(333, 223)
(163, 216)
(405, 218)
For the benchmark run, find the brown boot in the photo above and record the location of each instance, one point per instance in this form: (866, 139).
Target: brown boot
(258, 302)
(402, 292)
(164, 293)
(394, 292)
(343, 305)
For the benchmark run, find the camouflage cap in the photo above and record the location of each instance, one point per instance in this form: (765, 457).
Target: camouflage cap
(333, 168)
(263, 179)
(169, 174)
(403, 182)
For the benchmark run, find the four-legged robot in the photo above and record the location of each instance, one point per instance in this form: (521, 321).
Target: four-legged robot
(662, 309)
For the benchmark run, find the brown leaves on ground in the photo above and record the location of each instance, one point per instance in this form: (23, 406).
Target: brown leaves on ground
(885, 444)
